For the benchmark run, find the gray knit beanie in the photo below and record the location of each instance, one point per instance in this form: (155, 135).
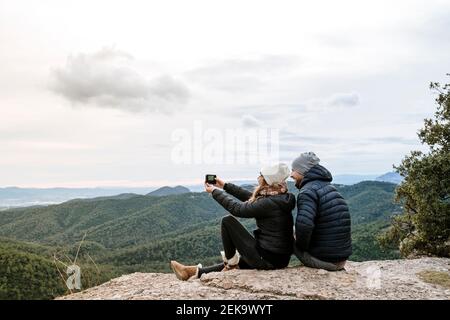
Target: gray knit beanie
(304, 162)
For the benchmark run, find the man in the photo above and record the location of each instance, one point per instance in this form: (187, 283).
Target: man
(322, 224)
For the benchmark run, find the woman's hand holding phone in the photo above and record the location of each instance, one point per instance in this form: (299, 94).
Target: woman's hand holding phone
(220, 183)
(210, 187)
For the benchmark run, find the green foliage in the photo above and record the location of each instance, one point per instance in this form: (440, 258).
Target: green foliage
(26, 275)
(29, 271)
(370, 201)
(424, 226)
(193, 244)
(366, 245)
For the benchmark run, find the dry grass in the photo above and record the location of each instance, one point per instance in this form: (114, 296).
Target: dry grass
(435, 277)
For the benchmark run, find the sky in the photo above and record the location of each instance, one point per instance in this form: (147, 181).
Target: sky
(130, 93)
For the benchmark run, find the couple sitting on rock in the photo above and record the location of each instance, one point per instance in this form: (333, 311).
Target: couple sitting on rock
(321, 238)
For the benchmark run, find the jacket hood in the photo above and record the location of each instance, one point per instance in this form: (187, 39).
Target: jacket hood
(285, 201)
(317, 172)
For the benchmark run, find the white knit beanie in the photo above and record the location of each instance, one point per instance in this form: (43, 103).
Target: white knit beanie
(277, 173)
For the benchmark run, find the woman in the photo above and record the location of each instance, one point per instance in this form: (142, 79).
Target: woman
(271, 206)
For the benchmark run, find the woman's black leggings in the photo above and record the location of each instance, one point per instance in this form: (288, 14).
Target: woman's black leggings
(236, 237)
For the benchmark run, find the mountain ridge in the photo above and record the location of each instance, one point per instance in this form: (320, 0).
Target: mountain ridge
(167, 191)
(11, 197)
(392, 177)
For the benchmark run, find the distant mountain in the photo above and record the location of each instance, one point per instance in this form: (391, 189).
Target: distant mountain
(25, 197)
(345, 179)
(201, 187)
(349, 179)
(122, 196)
(392, 177)
(12, 197)
(168, 191)
(249, 187)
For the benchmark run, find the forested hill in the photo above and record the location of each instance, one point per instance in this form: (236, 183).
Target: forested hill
(131, 233)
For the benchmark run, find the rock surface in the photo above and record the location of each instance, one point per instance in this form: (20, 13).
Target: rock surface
(390, 279)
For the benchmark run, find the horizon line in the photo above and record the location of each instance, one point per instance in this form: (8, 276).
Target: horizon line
(144, 184)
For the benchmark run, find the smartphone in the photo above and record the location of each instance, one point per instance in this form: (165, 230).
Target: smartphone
(210, 178)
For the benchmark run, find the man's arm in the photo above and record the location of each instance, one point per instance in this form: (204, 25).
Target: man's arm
(304, 222)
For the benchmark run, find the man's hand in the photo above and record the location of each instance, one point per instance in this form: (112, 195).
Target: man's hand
(210, 187)
(219, 183)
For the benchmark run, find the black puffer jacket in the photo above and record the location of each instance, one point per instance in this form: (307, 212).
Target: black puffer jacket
(273, 216)
(322, 225)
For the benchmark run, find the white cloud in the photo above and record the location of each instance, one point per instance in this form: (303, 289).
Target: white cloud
(279, 113)
(343, 99)
(250, 121)
(108, 79)
(335, 101)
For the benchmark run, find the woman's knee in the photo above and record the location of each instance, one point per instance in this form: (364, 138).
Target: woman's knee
(227, 220)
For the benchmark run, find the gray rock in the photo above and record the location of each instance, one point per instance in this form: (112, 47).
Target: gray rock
(390, 279)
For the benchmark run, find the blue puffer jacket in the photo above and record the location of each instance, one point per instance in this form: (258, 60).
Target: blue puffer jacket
(322, 225)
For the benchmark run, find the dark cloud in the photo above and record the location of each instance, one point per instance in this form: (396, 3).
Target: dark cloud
(107, 79)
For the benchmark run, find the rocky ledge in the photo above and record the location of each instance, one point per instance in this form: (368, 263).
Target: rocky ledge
(424, 278)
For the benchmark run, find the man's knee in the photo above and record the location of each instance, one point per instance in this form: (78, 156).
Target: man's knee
(309, 261)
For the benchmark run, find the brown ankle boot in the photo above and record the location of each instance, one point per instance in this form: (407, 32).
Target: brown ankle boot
(183, 272)
(228, 268)
(230, 264)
